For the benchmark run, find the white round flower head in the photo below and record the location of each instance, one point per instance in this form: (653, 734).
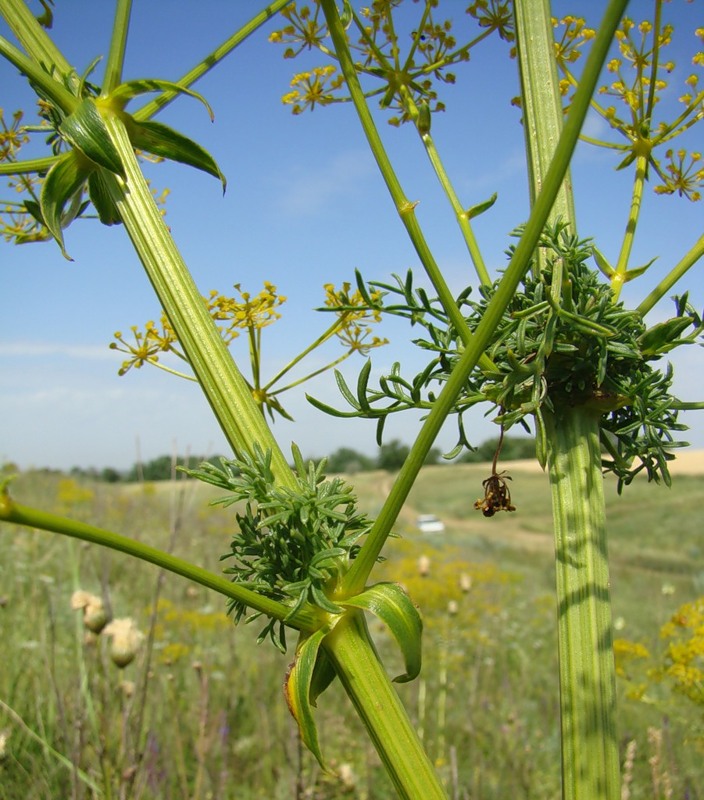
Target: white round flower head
(126, 640)
(95, 617)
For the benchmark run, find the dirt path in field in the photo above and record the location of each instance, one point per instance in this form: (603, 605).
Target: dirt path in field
(510, 532)
(688, 462)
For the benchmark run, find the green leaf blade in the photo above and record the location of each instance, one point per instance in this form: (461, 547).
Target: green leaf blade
(63, 181)
(125, 92)
(163, 141)
(85, 130)
(394, 608)
(298, 688)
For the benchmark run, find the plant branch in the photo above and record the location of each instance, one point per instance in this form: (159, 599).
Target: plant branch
(42, 520)
(619, 277)
(50, 86)
(363, 676)
(150, 109)
(223, 384)
(28, 167)
(405, 208)
(33, 38)
(688, 261)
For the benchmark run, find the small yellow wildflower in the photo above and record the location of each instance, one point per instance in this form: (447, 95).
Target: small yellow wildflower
(311, 88)
(12, 138)
(355, 317)
(683, 174)
(626, 652)
(144, 350)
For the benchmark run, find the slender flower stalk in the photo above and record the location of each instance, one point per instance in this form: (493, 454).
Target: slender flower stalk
(621, 270)
(212, 59)
(686, 263)
(324, 337)
(462, 215)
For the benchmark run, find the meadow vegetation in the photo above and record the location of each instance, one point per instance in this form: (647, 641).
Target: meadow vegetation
(120, 681)
(200, 712)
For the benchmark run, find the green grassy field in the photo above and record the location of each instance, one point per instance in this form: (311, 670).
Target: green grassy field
(200, 712)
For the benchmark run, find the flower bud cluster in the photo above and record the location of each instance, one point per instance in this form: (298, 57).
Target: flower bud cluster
(125, 638)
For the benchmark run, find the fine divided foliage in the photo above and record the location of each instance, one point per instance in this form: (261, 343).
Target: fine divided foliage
(291, 545)
(562, 340)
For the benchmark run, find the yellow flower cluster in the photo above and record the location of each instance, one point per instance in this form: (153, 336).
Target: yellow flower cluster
(575, 34)
(495, 15)
(303, 32)
(11, 138)
(684, 657)
(313, 88)
(625, 653)
(16, 225)
(637, 84)
(246, 313)
(639, 55)
(684, 174)
(355, 317)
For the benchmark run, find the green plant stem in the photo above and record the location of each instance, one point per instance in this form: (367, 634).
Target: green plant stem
(28, 167)
(33, 38)
(33, 518)
(62, 759)
(150, 109)
(377, 703)
(542, 104)
(449, 189)
(328, 334)
(51, 87)
(620, 274)
(694, 254)
(118, 43)
(223, 384)
(405, 208)
(590, 759)
(519, 264)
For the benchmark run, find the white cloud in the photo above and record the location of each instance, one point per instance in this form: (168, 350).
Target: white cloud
(21, 349)
(309, 190)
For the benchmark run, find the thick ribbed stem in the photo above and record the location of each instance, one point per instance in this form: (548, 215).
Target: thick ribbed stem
(590, 762)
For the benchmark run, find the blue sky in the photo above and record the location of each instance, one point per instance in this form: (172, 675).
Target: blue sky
(304, 206)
